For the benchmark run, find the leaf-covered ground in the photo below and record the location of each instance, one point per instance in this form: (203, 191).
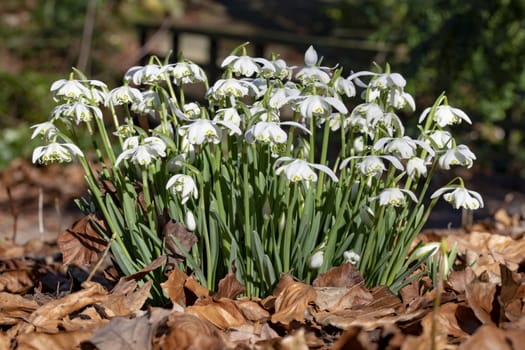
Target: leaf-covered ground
(47, 305)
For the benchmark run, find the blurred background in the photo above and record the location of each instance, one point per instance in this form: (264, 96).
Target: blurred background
(473, 50)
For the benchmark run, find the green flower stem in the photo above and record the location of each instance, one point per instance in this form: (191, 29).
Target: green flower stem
(247, 224)
(324, 152)
(312, 141)
(147, 198)
(288, 229)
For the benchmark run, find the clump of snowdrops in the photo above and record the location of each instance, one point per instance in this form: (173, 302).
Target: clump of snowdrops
(247, 169)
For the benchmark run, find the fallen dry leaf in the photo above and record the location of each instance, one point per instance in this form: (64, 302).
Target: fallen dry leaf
(293, 301)
(229, 287)
(175, 231)
(223, 313)
(128, 303)
(47, 341)
(182, 289)
(340, 298)
(490, 337)
(480, 296)
(14, 308)
(81, 243)
(252, 310)
(184, 331)
(250, 334)
(17, 281)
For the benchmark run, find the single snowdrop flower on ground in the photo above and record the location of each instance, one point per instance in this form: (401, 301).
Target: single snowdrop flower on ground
(461, 155)
(445, 115)
(142, 153)
(351, 257)
(311, 72)
(394, 196)
(148, 74)
(183, 185)
(316, 260)
(429, 249)
(56, 153)
(460, 197)
(299, 170)
(405, 147)
(124, 94)
(47, 130)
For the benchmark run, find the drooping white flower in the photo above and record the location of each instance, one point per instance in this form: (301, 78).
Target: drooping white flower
(148, 74)
(46, 130)
(278, 69)
(416, 167)
(372, 165)
(124, 94)
(189, 221)
(142, 153)
(204, 130)
(81, 112)
(281, 96)
(461, 155)
(394, 196)
(311, 72)
(150, 103)
(316, 260)
(230, 114)
(312, 106)
(351, 257)
(192, 110)
(301, 170)
(246, 65)
(344, 87)
(232, 88)
(270, 132)
(56, 153)
(460, 197)
(186, 72)
(405, 147)
(441, 139)
(446, 115)
(183, 185)
(429, 250)
(71, 89)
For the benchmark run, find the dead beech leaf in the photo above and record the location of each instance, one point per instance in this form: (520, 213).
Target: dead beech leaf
(182, 289)
(56, 341)
(126, 304)
(81, 243)
(295, 341)
(187, 331)
(16, 281)
(458, 280)
(49, 316)
(177, 231)
(430, 337)
(251, 334)
(155, 264)
(340, 298)
(14, 308)
(222, 313)
(5, 341)
(490, 337)
(293, 301)
(10, 250)
(123, 333)
(353, 338)
(346, 275)
(480, 296)
(229, 287)
(252, 310)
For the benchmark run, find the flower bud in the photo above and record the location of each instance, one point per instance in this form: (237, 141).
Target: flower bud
(316, 260)
(189, 221)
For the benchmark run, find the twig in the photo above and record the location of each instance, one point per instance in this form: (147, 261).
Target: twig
(102, 258)
(87, 36)
(41, 211)
(14, 212)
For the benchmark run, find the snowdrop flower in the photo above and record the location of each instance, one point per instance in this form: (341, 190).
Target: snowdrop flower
(228, 114)
(441, 138)
(277, 69)
(125, 131)
(344, 87)
(148, 74)
(405, 147)
(310, 71)
(460, 197)
(204, 130)
(394, 196)
(298, 170)
(124, 94)
(416, 167)
(446, 115)
(316, 260)
(46, 130)
(56, 152)
(81, 112)
(150, 103)
(429, 250)
(142, 154)
(461, 155)
(189, 221)
(186, 73)
(192, 110)
(246, 65)
(71, 89)
(372, 165)
(317, 106)
(184, 186)
(281, 96)
(385, 82)
(258, 112)
(232, 88)
(351, 257)
(270, 132)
